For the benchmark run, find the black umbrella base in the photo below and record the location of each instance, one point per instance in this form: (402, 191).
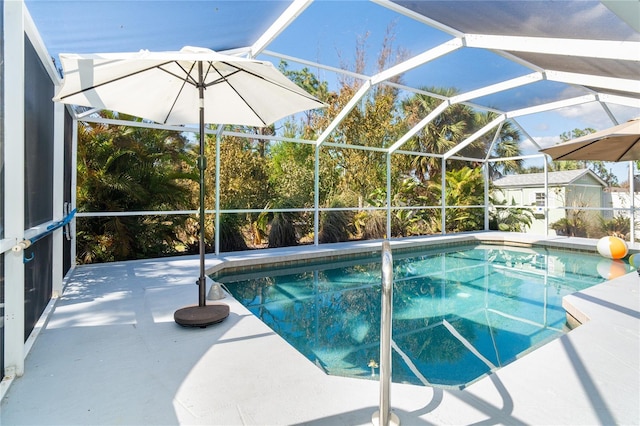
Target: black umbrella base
(201, 316)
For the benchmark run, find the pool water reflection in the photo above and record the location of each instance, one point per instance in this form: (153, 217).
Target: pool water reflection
(458, 312)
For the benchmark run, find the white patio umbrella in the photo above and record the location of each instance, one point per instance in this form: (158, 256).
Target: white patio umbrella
(193, 85)
(618, 143)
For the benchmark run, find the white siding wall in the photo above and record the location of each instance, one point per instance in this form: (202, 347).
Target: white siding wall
(527, 197)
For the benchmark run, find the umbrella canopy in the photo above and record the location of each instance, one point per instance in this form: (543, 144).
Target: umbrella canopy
(194, 85)
(165, 87)
(618, 143)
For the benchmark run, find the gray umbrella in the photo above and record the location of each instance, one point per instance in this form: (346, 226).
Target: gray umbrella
(194, 85)
(618, 143)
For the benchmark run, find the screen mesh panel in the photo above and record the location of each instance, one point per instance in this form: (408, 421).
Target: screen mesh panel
(38, 183)
(38, 140)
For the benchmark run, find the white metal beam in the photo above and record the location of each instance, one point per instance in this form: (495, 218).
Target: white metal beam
(433, 114)
(57, 212)
(510, 56)
(493, 142)
(74, 186)
(142, 124)
(88, 112)
(619, 100)
(526, 134)
(178, 128)
(316, 195)
(14, 144)
(498, 87)
(419, 154)
(416, 91)
(216, 238)
(611, 83)
(317, 65)
(416, 61)
(517, 157)
(358, 147)
(286, 18)
(343, 113)
(551, 106)
(34, 37)
(602, 49)
(475, 136)
(612, 117)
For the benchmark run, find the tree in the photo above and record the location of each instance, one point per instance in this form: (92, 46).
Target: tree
(404, 222)
(244, 178)
(450, 128)
(464, 187)
(123, 169)
(505, 145)
(373, 123)
(292, 171)
(311, 84)
(244, 184)
(441, 134)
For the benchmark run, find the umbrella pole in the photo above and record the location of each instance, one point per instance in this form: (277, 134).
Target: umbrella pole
(202, 314)
(202, 165)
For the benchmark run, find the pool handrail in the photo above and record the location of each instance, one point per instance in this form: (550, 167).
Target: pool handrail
(384, 416)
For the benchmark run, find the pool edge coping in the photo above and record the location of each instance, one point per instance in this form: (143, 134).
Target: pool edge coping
(276, 257)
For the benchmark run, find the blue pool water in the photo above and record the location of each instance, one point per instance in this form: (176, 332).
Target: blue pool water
(458, 313)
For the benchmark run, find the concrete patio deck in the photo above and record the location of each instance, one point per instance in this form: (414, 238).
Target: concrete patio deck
(110, 353)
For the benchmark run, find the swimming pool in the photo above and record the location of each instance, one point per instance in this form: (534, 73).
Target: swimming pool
(459, 312)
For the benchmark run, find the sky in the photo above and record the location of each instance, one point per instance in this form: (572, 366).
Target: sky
(327, 31)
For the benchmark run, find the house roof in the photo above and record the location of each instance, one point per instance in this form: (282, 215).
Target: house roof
(564, 177)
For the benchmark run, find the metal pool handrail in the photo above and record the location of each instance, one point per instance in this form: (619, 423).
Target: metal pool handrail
(384, 416)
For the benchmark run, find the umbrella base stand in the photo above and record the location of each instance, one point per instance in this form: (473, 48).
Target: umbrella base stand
(201, 316)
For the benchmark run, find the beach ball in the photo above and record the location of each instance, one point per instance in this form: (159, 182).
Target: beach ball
(634, 260)
(610, 269)
(612, 247)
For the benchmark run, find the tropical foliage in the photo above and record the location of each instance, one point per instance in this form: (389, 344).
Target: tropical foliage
(129, 169)
(510, 219)
(464, 188)
(124, 169)
(618, 226)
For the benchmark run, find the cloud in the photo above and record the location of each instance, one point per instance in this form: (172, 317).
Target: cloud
(589, 115)
(527, 147)
(545, 141)
(594, 115)
(542, 127)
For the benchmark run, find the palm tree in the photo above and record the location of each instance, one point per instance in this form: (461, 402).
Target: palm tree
(441, 134)
(506, 145)
(124, 169)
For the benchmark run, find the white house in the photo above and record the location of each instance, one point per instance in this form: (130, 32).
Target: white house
(621, 199)
(571, 188)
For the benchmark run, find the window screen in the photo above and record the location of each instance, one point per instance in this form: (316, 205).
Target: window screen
(68, 147)
(38, 191)
(38, 140)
